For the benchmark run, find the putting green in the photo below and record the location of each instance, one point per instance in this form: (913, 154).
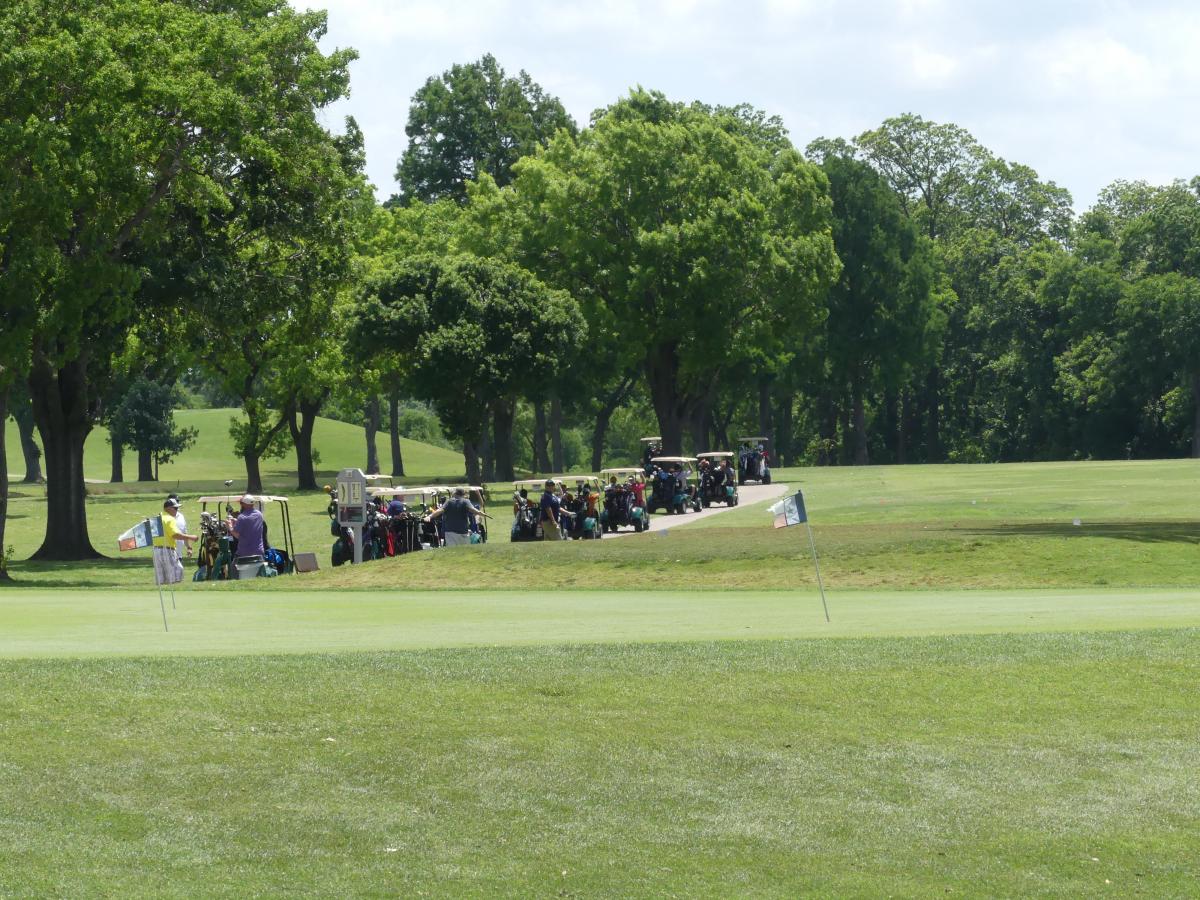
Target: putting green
(126, 623)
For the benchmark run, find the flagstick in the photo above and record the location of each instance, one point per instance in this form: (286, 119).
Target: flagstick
(172, 599)
(817, 566)
(163, 607)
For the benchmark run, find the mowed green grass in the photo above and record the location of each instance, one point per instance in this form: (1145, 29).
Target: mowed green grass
(913, 527)
(1004, 704)
(210, 461)
(997, 765)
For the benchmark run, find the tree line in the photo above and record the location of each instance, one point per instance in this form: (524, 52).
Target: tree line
(174, 209)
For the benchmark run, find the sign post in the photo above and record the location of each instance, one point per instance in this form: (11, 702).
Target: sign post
(791, 511)
(352, 505)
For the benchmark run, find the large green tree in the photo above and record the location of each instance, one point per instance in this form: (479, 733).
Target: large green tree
(681, 234)
(482, 332)
(470, 120)
(112, 114)
(883, 320)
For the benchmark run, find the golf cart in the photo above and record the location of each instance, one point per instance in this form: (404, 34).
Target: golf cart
(754, 460)
(715, 487)
(667, 491)
(651, 447)
(527, 511)
(394, 523)
(218, 557)
(624, 500)
(582, 505)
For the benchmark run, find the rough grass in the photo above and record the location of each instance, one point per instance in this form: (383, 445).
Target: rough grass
(1059, 765)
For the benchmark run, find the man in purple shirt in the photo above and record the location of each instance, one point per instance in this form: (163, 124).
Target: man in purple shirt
(248, 529)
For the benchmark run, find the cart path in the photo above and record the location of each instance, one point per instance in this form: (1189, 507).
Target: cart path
(747, 494)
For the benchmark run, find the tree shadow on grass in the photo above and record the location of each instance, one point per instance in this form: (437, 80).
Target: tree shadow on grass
(104, 572)
(1141, 532)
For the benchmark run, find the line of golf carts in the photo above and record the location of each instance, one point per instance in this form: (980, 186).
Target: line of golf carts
(591, 506)
(395, 520)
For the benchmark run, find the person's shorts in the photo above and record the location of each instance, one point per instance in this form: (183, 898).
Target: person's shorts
(550, 531)
(167, 567)
(454, 539)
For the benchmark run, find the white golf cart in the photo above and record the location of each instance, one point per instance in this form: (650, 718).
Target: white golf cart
(754, 460)
(666, 491)
(281, 560)
(714, 487)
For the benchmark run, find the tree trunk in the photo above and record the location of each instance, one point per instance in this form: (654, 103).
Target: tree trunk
(784, 438)
(64, 417)
(764, 409)
(118, 459)
(23, 413)
(145, 465)
(933, 440)
(845, 445)
(610, 405)
(662, 376)
(541, 456)
(302, 419)
(557, 460)
(699, 424)
(253, 472)
(1195, 419)
(826, 430)
(4, 576)
(394, 432)
(471, 460)
(487, 457)
(905, 429)
(373, 421)
(860, 429)
(503, 412)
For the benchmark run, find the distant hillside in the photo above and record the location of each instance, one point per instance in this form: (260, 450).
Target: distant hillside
(211, 459)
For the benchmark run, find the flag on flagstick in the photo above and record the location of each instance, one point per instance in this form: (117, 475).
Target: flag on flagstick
(790, 511)
(141, 535)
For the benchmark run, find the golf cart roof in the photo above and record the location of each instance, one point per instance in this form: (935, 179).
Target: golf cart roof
(236, 498)
(757, 437)
(715, 454)
(624, 470)
(536, 482)
(377, 477)
(673, 459)
(652, 440)
(401, 492)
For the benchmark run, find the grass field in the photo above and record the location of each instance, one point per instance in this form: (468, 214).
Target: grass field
(1004, 703)
(205, 465)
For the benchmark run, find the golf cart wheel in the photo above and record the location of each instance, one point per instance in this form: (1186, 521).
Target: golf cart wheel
(741, 480)
(766, 479)
(734, 501)
(706, 501)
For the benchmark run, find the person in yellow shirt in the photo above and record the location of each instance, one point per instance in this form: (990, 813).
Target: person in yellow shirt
(167, 567)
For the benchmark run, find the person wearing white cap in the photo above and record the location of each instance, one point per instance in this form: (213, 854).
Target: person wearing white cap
(249, 529)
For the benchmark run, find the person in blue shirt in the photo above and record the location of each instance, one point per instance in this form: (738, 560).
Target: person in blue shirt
(551, 507)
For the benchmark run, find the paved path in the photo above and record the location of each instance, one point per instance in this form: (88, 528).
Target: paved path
(747, 493)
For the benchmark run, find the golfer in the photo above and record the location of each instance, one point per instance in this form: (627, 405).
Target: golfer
(551, 506)
(458, 515)
(167, 567)
(248, 528)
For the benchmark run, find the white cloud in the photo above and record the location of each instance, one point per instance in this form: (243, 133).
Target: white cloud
(1093, 92)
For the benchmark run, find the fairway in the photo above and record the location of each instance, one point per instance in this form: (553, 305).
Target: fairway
(128, 623)
(1003, 704)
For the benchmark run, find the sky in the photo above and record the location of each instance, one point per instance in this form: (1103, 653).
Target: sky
(1084, 91)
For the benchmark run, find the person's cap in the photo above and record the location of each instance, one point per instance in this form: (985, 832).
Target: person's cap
(171, 503)
(247, 500)
(550, 484)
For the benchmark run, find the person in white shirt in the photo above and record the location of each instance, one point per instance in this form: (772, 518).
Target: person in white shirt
(181, 546)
